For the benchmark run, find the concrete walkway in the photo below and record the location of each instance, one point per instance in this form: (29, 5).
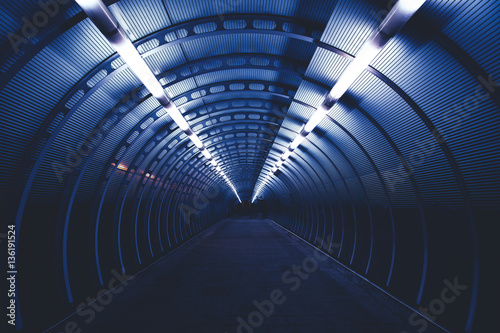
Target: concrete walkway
(247, 276)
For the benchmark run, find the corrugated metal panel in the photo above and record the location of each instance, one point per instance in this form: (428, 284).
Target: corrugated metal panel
(310, 93)
(473, 25)
(455, 109)
(181, 10)
(166, 59)
(326, 67)
(106, 149)
(245, 43)
(140, 17)
(40, 73)
(350, 25)
(247, 74)
(11, 15)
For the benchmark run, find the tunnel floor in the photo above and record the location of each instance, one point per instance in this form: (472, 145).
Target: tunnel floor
(210, 285)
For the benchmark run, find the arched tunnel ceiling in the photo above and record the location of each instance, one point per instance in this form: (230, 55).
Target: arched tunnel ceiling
(204, 61)
(78, 126)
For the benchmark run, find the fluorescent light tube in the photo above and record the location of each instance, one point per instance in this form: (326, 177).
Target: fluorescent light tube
(131, 56)
(207, 154)
(401, 12)
(316, 118)
(363, 59)
(297, 141)
(90, 5)
(196, 140)
(286, 155)
(410, 6)
(176, 116)
(100, 15)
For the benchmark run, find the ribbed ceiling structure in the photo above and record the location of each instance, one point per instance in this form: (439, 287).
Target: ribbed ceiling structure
(401, 178)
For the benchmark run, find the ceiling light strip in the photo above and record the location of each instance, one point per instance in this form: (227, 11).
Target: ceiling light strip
(100, 15)
(402, 11)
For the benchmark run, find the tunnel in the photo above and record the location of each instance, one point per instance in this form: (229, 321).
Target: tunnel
(250, 165)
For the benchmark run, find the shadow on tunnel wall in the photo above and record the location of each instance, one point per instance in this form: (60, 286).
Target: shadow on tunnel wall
(361, 238)
(148, 228)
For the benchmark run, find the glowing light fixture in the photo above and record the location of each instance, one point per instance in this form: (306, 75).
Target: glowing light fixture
(196, 140)
(400, 13)
(297, 141)
(207, 154)
(177, 117)
(100, 15)
(122, 167)
(286, 154)
(314, 121)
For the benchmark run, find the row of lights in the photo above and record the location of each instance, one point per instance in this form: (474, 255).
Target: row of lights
(100, 15)
(402, 11)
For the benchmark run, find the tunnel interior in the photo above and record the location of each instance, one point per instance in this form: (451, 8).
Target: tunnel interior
(398, 182)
